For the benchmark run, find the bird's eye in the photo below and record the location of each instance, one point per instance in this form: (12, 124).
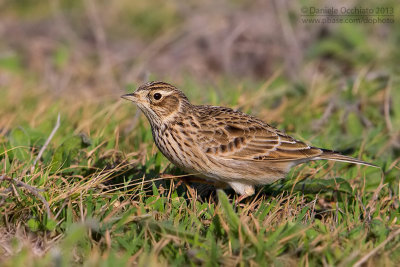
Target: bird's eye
(157, 96)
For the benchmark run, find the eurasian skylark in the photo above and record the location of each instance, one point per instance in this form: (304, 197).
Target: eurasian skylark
(222, 145)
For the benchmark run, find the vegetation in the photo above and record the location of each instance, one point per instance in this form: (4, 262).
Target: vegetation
(93, 193)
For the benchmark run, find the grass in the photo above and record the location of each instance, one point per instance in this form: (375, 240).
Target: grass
(100, 177)
(100, 172)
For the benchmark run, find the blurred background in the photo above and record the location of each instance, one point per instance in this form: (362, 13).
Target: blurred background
(100, 47)
(335, 85)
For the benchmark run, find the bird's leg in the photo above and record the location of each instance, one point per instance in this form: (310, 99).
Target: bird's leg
(240, 198)
(184, 180)
(179, 183)
(191, 190)
(169, 176)
(193, 179)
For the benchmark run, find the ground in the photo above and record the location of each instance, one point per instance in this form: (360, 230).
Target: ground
(90, 188)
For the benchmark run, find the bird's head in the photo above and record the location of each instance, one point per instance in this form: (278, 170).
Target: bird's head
(159, 101)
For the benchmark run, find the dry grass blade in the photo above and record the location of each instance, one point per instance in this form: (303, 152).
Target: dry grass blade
(377, 249)
(53, 132)
(34, 191)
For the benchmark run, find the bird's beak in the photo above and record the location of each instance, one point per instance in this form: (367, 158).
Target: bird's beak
(131, 97)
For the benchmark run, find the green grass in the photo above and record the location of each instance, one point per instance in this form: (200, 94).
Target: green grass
(108, 204)
(100, 173)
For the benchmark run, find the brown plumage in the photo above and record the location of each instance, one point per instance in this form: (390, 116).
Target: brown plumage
(220, 144)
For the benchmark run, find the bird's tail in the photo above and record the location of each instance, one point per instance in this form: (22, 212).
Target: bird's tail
(331, 155)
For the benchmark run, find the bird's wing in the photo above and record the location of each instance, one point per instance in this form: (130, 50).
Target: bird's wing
(235, 135)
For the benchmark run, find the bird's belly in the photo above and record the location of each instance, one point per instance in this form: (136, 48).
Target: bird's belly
(231, 172)
(249, 172)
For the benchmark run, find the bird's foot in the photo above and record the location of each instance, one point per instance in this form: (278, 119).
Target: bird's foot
(240, 198)
(181, 181)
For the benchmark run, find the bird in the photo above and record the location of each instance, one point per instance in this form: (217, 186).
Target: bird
(220, 145)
